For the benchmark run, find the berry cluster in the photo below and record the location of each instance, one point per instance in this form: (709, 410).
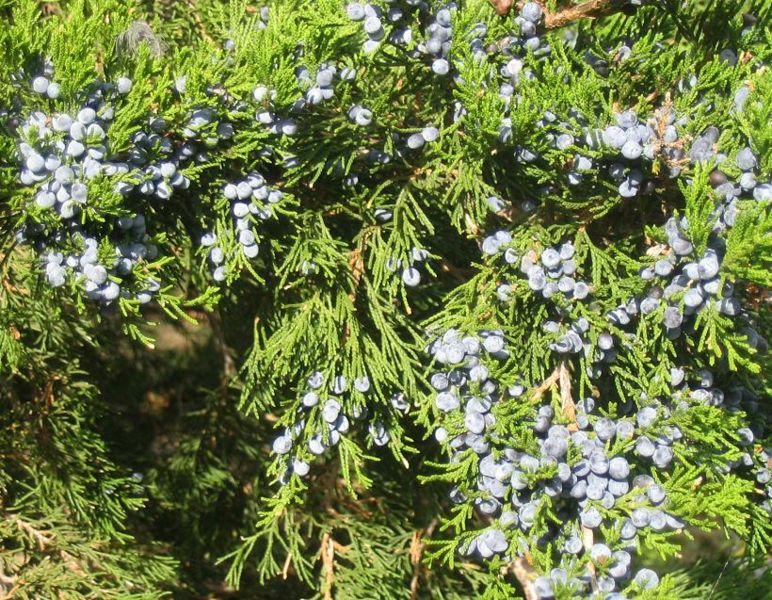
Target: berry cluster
(64, 158)
(687, 284)
(575, 463)
(205, 130)
(322, 407)
(62, 153)
(156, 163)
(747, 186)
(42, 84)
(439, 34)
(264, 16)
(551, 274)
(250, 200)
(466, 384)
(427, 135)
(657, 139)
(104, 266)
(371, 16)
(528, 39)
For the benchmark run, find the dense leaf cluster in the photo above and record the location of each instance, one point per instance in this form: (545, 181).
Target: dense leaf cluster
(395, 299)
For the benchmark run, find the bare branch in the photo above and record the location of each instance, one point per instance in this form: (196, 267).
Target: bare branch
(502, 7)
(328, 562)
(588, 542)
(525, 574)
(416, 554)
(539, 391)
(592, 9)
(566, 401)
(587, 10)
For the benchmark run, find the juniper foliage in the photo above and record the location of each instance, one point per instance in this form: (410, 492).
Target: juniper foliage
(407, 299)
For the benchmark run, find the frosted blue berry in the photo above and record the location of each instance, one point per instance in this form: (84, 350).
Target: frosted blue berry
(362, 384)
(355, 11)
(746, 160)
(440, 66)
(708, 266)
(646, 579)
(373, 25)
(619, 467)
(86, 116)
(300, 467)
(631, 150)
(614, 136)
(364, 117)
(672, 317)
(53, 91)
(430, 134)
(282, 444)
(550, 258)
(415, 141)
(662, 456)
(40, 84)
(411, 277)
(124, 85)
(447, 401)
(590, 517)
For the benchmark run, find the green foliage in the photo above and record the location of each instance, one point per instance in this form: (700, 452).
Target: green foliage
(137, 457)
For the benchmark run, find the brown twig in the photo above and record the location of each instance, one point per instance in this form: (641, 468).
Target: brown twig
(416, 554)
(587, 542)
(592, 9)
(11, 593)
(459, 273)
(561, 376)
(328, 563)
(525, 574)
(539, 391)
(566, 401)
(44, 540)
(356, 265)
(586, 10)
(502, 7)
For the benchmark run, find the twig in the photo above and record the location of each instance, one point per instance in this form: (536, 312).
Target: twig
(586, 10)
(328, 561)
(229, 366)
(720, 575)
(44, 540)
(520, 567)
(457, 272)
(285, 569)
(5, 579)
(525, 574)
(539, 391)
(11, 593)
(502, 7)
(588, 541)
(357, 265)
(566, 401)
(416, 554)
